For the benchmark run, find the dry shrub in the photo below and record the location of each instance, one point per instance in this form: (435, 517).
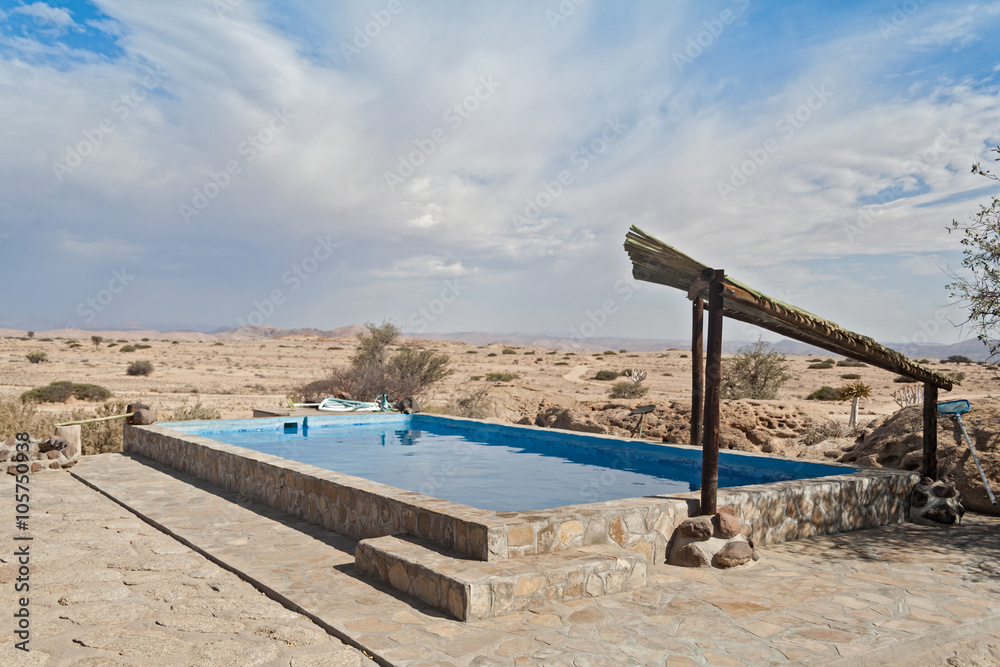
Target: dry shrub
(97, 438)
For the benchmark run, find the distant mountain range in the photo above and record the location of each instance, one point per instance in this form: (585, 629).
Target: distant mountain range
(973, 349)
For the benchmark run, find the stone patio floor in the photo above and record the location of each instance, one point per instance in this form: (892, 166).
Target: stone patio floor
(870, 597)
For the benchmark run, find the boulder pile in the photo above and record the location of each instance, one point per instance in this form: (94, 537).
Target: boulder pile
(936, 503)
(897, 442)
(49, 453)
(711, 541)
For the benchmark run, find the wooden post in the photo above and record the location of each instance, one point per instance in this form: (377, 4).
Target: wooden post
(930, 430)
(697, 368)
(713, 392)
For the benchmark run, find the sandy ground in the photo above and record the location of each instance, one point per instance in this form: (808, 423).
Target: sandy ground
(236, 376)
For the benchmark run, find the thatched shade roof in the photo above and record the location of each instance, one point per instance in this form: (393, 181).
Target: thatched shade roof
(656, 262)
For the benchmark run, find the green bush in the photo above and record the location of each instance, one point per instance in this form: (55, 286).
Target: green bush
(561, 363)
(530, 352)
(502, 377)
(492, 354)
(850, 363)
(91, 392)
(140, 368)
(609, 352)
(850, 376)
(958, 359)
(55, 392)
(607, 375)
(508, 350)
(476, 378)
(37, 357)
(471, 352)
(902, 379)
(823, 365)
(757, 371)
(626, 389)
(62, 390)
(140, 346)
(825, 393)
(127, 348)
(957, 377)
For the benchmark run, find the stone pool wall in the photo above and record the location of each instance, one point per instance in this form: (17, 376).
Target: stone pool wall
(362, 509)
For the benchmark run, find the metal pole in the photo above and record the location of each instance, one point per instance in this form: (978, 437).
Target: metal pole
(697, 368)
(713, 392)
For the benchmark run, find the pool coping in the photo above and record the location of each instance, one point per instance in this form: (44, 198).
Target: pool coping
(362, 509)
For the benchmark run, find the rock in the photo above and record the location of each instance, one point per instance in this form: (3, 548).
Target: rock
(942, 514)
(944, 490)
(733, 554)
(691, 555)
(759, 437)
(901, 435)
(132, 407)
(407, 405)
(143, 417)
(727, 525)
(699, 527)
(51, 443)
(524, 421)
(52, 454)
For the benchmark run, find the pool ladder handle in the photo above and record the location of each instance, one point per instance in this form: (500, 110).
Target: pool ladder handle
(975, 457)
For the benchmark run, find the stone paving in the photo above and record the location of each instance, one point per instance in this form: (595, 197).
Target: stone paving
(869, 597)
(108, 590)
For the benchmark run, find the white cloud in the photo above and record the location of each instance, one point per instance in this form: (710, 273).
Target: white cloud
(56, 19)
(469, 206)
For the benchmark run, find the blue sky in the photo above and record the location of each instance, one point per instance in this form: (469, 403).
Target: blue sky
(475, 166)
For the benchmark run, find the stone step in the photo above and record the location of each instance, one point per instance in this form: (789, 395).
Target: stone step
(473, 589)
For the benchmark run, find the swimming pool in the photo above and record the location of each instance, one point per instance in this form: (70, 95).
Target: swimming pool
(492, 466)
(845, 499)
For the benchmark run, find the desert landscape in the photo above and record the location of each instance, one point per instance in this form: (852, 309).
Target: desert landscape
(228, 376)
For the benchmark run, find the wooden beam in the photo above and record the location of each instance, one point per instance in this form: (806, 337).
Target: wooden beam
(929, 467)
(697, 368)
(713, 393)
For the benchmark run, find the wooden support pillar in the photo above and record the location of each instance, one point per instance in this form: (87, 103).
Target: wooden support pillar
(929, 467)
(713, 393)
(697, 368)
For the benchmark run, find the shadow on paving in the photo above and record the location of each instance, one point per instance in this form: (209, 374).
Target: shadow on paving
(344, 545)
(974, 545)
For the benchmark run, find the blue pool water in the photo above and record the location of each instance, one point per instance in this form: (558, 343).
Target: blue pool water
(491, 466)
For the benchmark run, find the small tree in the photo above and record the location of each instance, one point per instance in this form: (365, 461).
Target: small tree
(757, 371)
(981, 238)
(97, 340)
(855, 392)
(37, 357)
(633, 389)
(373, 371)
(31, 334)
(373, 347)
